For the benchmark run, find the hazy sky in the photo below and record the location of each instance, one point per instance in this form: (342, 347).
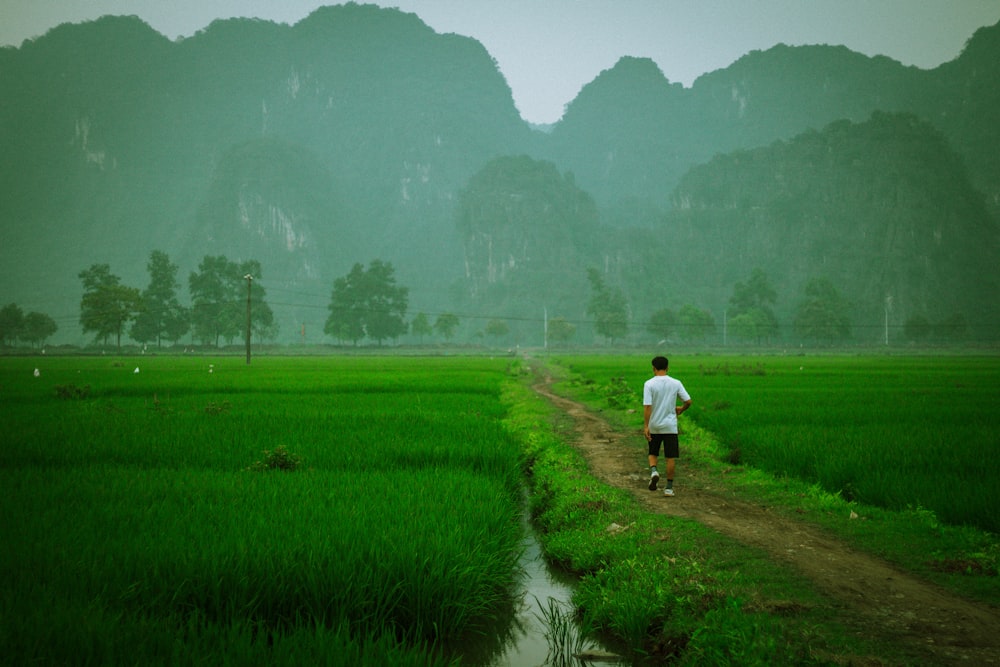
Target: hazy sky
(549, 49)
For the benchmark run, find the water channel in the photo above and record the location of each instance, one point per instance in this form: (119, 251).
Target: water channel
(528, 645)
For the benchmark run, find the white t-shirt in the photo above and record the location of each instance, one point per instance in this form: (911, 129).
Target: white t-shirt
(661, 392)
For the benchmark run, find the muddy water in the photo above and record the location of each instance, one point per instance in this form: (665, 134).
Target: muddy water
(526, 646)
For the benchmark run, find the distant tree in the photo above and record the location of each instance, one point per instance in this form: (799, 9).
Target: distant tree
(608, 308)
(33, 328)
(561, 331)
(755, 293)
(346, 320)
(160, 315)
(754, 300)
(219, 300)
(755, 325)
(216, 310)
(661, 323)
(107, 306)
(38, 327)
(421, 326)
(497, 328)
(11, 323)
(822, 314)
(695, 323)
(367, 303)
(445, 324)
(386, 302)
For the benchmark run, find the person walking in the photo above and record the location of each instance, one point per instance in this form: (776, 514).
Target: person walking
(660, 396)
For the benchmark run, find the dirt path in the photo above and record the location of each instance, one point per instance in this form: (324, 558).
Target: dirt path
(937, 626)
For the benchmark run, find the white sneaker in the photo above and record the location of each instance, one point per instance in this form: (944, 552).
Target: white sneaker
(653, 479)
(668, 492)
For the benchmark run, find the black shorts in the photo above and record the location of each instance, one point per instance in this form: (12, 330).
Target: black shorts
(671, 445)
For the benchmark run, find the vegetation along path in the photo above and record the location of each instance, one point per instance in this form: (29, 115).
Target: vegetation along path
(932, 622)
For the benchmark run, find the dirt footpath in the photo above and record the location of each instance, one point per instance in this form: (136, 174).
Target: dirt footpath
(938, 626)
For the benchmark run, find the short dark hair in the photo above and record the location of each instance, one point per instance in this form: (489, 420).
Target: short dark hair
(660, 363)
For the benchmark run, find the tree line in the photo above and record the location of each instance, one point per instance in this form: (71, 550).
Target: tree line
(820, 318)
(368, 303)
(221, 292)
(227, 297)
(33, 328)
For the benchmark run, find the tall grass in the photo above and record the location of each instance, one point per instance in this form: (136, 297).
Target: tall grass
(898, 432)
(565, 638)
(136, 529)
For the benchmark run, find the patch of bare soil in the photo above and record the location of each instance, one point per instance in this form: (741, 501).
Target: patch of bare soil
(930, 623)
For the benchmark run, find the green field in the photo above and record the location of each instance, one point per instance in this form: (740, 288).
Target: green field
(147, 517)
(136, 529)
(895, 432)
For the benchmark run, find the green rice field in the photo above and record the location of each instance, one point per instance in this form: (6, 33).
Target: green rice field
(155, 517)
(368, 510)
(916, 432)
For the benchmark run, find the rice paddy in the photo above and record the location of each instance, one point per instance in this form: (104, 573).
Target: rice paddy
(368, 511)
(144, 524)
(902, 433)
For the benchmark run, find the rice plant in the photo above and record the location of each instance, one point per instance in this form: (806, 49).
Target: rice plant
(562, 632)
(326, 506)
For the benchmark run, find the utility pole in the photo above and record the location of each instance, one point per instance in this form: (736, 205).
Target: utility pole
(888, 307)
(545, 327)
(249, 280)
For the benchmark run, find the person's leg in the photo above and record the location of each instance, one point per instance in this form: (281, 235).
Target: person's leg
(654, 453)
(671, 450)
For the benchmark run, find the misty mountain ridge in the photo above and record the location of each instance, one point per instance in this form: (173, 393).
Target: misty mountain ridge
(887, 200)
(360, 133)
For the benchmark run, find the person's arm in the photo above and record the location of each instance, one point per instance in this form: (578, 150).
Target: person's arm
(647, 412)
(682, 407)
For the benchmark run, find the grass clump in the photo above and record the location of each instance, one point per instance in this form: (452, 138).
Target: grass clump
(566, 639)
(619, 393)
(72, 392)
(278, 458)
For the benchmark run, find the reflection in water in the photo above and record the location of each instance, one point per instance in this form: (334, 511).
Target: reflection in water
(525, 643)
(529, 646)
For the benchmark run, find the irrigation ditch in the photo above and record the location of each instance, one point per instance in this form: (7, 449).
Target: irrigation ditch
(872, 595)
(546, 610)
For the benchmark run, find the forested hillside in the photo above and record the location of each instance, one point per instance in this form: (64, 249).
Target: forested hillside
(882, 209)
(341, 139)
(360, 134)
